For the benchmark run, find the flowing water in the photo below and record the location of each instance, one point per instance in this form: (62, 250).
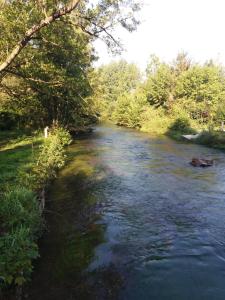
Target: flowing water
(130, 219)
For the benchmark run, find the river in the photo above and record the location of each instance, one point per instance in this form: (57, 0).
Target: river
(130, 219)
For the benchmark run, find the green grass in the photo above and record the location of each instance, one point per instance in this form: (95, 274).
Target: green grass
(20, 219)
(17, 154)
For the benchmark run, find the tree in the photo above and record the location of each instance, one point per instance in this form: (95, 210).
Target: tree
(118, 78)
(201, 83)
(36, 14)
(181, 64)
(48, 78)
(203, 87)
(160, 85)
(53, 84)
(153, 65)
(129, 108)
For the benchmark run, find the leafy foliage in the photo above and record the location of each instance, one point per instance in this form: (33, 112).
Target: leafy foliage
(201, 83)
(51, 77)
(113, 81)
(21, 222)
(20, 215)
(182, 125)
(129, 108)
(8, 120)
(175, 93)
(51, 156)
(19, 207)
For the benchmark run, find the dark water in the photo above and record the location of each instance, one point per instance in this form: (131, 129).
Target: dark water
(130, 219)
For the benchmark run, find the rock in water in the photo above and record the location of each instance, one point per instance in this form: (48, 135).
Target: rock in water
(201, 162)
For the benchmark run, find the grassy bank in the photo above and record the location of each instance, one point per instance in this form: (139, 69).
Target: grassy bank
(27, 163)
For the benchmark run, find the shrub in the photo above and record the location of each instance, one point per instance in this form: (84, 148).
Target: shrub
(20, 216)
(212, 138)
(129, 108)
(181, 125)
(51, 157)
(20, 227)
(17, 249)
(154, 120)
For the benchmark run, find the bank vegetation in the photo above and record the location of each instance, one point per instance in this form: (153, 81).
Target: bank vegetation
(177, 98)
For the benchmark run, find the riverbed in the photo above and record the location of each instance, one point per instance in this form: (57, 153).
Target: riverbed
(130, 219)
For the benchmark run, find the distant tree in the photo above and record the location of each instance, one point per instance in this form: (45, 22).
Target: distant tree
(153, 65)
(202, 83)
(118, 78)
(129, 108)
(160, 85)
(204, 89)
(181, 64)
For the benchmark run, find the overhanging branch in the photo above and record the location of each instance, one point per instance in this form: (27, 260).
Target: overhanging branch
(35, 29)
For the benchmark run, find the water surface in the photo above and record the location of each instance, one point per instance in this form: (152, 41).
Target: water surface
(130, 219)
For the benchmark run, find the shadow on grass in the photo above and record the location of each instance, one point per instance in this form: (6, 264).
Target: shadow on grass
(7, 136)
(14, 160)
(180, 127)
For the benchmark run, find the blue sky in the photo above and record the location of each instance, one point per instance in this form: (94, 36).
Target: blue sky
(171, 26)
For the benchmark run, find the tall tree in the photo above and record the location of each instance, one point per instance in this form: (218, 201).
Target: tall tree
(34, 15)
(50, 73)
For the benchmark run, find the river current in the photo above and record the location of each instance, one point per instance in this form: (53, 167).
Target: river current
(130, 219)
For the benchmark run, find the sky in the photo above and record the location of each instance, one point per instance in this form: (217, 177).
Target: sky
(172, 26)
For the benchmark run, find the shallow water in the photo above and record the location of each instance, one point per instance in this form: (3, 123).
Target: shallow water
(129, 218)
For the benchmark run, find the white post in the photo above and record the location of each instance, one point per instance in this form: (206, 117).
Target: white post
(222, 126)
(46, 132)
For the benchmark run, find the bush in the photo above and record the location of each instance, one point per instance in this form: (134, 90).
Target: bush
(17, 252)
(51, 157)
(211, 138)
(154, 120)
(20, 216)
(129, 108)
(182, 125)
(20, 227)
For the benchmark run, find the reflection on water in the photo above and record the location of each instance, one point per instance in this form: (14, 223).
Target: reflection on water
(129, 218)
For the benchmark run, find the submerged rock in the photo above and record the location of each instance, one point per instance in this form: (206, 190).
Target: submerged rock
(201, 162)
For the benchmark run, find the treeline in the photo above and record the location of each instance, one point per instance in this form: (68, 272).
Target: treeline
(182, 95)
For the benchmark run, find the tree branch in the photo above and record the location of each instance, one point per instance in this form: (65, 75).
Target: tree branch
(36, 28)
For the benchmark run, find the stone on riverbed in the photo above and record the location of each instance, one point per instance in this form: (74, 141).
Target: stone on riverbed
(201, 162)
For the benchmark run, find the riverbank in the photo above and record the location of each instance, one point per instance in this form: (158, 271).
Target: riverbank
(176, 128)
(211, 138)
(28, 163)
